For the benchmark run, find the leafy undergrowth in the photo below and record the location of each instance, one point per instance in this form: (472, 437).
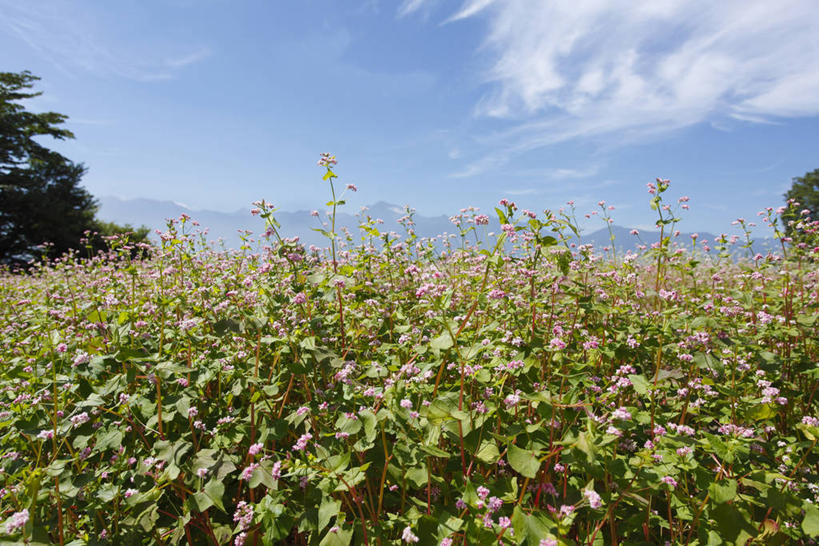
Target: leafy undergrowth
(527, 393)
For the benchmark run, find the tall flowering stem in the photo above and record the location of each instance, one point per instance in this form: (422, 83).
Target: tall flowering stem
(327, 161)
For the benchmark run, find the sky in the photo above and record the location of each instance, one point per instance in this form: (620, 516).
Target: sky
(437, 104)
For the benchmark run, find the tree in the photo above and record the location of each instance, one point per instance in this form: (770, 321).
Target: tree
(805, 191)
(41, 200)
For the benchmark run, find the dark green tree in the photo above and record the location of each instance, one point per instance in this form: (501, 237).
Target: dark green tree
(804, 191)
(41, 199)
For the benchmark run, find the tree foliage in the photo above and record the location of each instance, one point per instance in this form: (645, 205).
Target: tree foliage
(41, 199)
(804, 191)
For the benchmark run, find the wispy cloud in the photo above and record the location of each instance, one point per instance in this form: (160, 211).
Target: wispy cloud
(198, 54)
(564, 70)
(411, 6)
(558, 173)
(559, 185)
(524, 191)
(59, 33)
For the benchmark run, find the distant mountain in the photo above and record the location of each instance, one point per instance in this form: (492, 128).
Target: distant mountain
(225, 226)
(624, 240)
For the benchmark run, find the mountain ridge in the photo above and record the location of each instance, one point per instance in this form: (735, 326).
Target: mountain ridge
(225, 226)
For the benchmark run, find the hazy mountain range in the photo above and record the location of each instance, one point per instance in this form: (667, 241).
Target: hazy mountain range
(226, 226)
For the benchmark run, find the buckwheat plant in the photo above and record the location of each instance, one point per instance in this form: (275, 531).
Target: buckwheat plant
(392, 389)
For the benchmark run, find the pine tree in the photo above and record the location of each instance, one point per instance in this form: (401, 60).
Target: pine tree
(41, 199)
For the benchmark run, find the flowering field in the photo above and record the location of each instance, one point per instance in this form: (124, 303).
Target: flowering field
(396, 390)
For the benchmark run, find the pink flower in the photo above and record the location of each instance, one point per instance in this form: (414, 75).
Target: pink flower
(248, 472)
(557, 343)
(670, 481)
(255, 449)
(17, 521)
(594, 499)
(621, 413)
(243, 515)
(326, 160)
(78, 420)
(566, 510)
(511, 400)
(276, 471)
(302, 441)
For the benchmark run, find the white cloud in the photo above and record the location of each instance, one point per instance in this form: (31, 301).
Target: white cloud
(568, 69)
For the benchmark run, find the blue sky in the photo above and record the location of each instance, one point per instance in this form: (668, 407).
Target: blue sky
(437, 104)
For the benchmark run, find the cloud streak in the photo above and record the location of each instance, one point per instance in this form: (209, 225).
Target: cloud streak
(58, 33)
(567, 69)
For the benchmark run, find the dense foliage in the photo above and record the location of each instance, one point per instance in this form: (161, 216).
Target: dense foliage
(41, 199)
(395, 390)
(804, 195)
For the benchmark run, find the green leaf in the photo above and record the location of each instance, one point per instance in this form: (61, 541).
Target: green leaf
(109, 440)
(215, 489)
(442, 342)
(640, 383)
(434, 451)
(523, 461)
(202, 500)
(586, 446)
(418, 476)
(488, 452)
(723, 491)
(501, 216)
(533, 527)
(760, 412)
(810, 525)
(326, 233)
(733, 524)
(340, 538)
(329, 508)
(368, 418)
(107, 492)
(262, 476)
(350, 426)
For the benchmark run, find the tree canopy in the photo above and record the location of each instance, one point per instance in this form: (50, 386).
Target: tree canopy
(804, 191)
(41, 199)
